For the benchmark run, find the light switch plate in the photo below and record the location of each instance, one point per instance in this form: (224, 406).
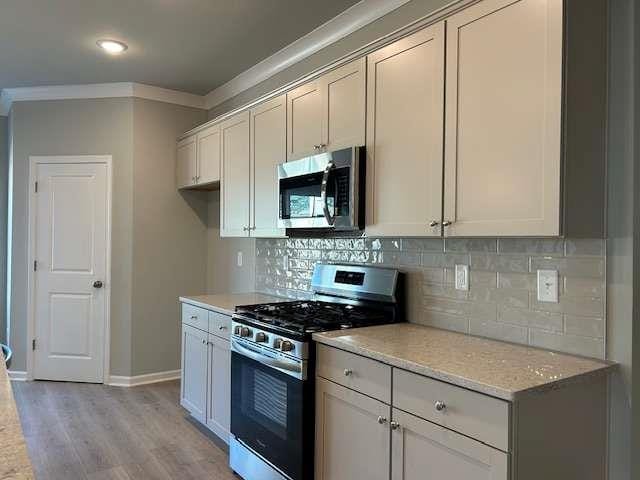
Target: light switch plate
(239, 259)
(548, 286)
(462, 277)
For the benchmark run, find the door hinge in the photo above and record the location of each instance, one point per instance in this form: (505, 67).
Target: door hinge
(33, 344)
(35, 265)
(36, 187)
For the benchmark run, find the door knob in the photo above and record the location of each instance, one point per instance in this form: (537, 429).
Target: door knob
(97, 284)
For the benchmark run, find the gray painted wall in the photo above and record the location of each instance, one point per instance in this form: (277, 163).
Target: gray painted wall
(4, 171)
(223, 273)
(169, 236)
(75, 127)
(621, 232)
(406, 14)
(158, 235)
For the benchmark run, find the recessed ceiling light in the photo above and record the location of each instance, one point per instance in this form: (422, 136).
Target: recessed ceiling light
(112, 47)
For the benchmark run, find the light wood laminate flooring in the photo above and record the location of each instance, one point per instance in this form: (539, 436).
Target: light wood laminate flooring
(96, 432)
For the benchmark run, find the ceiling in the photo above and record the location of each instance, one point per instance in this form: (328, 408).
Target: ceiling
(188, 45)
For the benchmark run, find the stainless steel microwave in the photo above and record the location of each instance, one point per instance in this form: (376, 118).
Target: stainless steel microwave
(323, 191)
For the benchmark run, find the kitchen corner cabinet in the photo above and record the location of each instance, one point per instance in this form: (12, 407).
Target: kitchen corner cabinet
(198, 159)
(376, 421)
(205, 389)
(327, 113)
(234, 184)
(404, 135)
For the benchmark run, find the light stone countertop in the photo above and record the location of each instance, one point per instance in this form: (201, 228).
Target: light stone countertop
(226, 303)
(500, 369)
(14, 458)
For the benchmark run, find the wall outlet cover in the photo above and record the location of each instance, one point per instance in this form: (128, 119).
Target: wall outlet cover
(548, 286)
(462, 277)
(239, 259)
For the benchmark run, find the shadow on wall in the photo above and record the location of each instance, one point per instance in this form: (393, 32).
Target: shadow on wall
(198, 202)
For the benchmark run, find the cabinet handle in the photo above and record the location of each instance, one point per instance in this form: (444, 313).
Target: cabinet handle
(204, 341)
(394, 425)
(317, 147)
(440, 406)
(222, 327)
(382, 420)
(434, 223)
(245, 229)
(194, 317)
(348, 372)
(446, 223)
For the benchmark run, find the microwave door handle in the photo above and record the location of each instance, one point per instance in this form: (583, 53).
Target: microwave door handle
(323, 194)
(268, 361)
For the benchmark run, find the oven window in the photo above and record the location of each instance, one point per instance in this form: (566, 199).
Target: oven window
(265, 401)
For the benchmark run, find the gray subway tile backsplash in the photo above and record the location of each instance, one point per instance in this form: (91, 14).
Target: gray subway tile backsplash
(501, 302)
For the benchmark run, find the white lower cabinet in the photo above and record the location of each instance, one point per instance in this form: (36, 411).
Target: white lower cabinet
(421, 450)
(193, 388)
(352, 434)
(205, 389)
(219, 387)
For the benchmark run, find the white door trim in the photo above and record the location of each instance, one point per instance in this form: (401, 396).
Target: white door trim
(31, 238)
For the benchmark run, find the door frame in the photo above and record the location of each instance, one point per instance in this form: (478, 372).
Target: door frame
(34, 161)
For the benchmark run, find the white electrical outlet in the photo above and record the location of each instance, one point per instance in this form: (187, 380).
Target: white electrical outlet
(285, 262)
(239, 259)
(462, 277)
(548, 286)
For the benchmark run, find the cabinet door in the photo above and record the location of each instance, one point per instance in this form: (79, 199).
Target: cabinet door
(193, 388)
(186, 162)
(209, 146)
(268, 149)
(503, 110)
(304, 120)
(422, 449)
(343, 121)
(352, 434)
(405, 135)
(234, 184)
(219, 393)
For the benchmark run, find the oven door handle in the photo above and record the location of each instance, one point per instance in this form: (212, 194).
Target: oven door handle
(323, 193)
(268, 361)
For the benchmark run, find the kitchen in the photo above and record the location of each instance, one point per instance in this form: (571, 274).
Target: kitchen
(456, 172)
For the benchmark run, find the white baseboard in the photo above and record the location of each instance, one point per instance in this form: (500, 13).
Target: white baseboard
(121, 381)
(18, 376)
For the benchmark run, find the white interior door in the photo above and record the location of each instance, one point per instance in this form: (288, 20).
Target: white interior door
(71, 235)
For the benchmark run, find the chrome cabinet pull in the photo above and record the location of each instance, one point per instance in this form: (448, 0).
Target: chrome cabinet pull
(348, 372)
(446, 223)
(394, 425)
(440, 406)
(382, 420)
(222, 327)
(434, 223)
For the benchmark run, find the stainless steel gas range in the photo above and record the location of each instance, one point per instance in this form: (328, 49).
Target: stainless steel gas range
(272, 365)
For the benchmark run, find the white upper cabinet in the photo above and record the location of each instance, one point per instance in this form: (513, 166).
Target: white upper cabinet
(327, 113)
(268, 149)
(209, 150)
(234, 183)
(187, 162)
(504, 119)
(405, 103)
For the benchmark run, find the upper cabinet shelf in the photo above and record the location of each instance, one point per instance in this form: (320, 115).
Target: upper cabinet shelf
(490, 122)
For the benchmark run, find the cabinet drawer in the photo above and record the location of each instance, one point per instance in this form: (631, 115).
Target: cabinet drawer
(219, 325)
(473, 414)
(353, 371)
(195, 316)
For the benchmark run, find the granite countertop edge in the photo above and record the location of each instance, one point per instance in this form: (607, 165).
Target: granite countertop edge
(458, 380)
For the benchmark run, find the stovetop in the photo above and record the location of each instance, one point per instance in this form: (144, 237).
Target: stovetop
(302, 318)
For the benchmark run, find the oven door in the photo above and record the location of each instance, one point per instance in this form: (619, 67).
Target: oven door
(322, 191)
(270, 413)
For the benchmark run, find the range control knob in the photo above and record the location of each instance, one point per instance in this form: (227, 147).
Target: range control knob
(277, 343)
(245, 332)
(237, 329)
(287, 346)
(261, 337)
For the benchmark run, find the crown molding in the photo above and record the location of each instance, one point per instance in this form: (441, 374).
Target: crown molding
(98, 90)
(347, 22)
